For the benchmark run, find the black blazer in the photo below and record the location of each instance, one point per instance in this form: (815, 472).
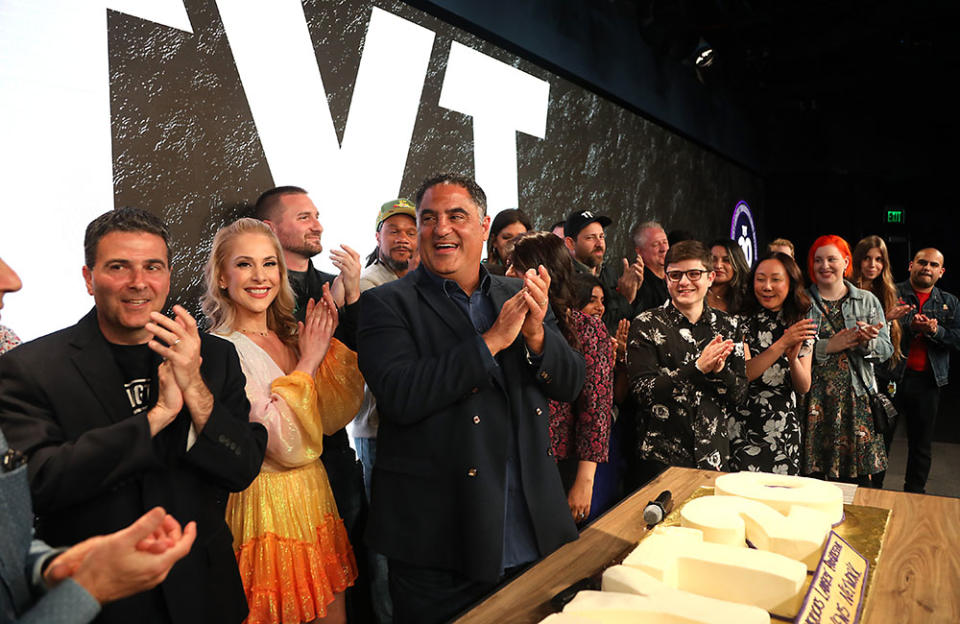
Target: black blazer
(94, 469)
(438, 484)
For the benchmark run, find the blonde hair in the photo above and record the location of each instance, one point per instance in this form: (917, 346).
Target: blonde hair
(216, 303)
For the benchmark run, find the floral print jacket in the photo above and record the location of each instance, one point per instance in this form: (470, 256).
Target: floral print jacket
(684, 411)
(582, 429)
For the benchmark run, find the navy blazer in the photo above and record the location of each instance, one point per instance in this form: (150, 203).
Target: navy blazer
(94, 468)
(438, 484)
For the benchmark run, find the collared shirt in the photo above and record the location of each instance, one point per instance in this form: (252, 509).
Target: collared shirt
(519, 543)
(686, 411)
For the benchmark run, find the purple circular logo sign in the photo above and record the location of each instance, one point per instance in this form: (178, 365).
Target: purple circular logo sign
(744, 232)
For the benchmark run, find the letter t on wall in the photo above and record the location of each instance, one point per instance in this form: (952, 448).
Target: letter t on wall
(502, 100)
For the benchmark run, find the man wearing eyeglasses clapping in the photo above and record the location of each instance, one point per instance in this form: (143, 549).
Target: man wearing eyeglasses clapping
(687, 369)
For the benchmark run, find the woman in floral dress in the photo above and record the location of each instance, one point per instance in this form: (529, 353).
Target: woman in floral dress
(765, 432)
(839, 439)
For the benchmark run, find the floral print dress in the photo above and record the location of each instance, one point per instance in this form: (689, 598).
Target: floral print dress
(685, 412)
(839, 441)
(765, 432)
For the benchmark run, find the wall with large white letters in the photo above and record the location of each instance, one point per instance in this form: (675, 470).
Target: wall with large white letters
(191, 108)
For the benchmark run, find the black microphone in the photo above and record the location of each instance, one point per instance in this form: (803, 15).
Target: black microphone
(656, 510)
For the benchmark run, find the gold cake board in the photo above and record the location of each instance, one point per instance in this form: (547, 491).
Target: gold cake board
(862, 527)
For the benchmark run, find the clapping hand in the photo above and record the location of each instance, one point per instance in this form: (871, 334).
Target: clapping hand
(898, 311)
(714, 356)
(620, 340)
(127, 562)
(631, 279)
(536, 289)
(316, 331)
(843, 340)
(868, 332)
(922, 324)
(347, 262)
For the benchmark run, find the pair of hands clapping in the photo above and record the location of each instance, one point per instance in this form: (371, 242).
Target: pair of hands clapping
(179, 381)
(794, 336)
(316, 331)
(129, 561)
(522, 313)
(850, 337)
(714, 356)
(923, 324)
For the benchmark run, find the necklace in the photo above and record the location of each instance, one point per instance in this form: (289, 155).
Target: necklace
(254, 332)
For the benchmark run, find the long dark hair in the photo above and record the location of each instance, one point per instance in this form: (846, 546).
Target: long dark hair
(535, 248)
(737, 287)
(883, 287)
(582, 287)
(504, 218)
(797, 303)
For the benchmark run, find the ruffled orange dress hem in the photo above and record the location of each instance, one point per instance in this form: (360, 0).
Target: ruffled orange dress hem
(291, 545)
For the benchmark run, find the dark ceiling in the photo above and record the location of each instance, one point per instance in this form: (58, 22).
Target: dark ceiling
(858, 87)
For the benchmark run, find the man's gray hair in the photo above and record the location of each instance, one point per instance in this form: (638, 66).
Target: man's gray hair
(467, 183)
(637, 233)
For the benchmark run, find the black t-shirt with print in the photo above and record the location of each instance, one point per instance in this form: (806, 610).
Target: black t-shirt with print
(136, 366)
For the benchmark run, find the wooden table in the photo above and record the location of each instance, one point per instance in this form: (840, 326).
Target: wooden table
(918, 579)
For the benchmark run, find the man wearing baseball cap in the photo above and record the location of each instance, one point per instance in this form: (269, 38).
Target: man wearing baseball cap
(585, 238)
(396, 251)
(395, 256)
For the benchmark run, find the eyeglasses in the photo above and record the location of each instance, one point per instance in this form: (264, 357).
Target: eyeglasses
(693, 275)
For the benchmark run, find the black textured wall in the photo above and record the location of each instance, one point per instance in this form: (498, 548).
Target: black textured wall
(185, 145)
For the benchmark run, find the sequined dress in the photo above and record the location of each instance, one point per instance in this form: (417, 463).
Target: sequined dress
(290, 542)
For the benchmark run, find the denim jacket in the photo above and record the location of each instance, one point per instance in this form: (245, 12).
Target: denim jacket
(942, 306)
(860, 305)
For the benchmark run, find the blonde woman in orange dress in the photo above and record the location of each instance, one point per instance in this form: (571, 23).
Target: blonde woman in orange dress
(291, 545)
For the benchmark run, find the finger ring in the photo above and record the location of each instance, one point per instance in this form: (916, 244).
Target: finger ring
(544, 303)
(175, 342)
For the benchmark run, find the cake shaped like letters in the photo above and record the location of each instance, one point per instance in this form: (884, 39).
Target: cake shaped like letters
(782, 492)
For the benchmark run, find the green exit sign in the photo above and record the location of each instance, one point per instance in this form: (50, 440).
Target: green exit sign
(894, 216)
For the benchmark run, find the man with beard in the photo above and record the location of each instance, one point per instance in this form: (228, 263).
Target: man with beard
(930, 330)
(294, 218)
(651, 244)
(396, 251)
(395, 255)
(585, 238)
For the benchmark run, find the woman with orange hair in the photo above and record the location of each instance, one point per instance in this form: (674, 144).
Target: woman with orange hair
(839, 438)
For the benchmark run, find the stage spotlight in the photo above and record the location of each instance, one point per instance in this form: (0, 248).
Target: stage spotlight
(703, 55)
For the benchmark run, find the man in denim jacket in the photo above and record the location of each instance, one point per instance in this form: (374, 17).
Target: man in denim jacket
(930, 330)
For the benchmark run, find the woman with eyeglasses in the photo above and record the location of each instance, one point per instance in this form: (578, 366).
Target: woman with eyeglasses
(840, 443)
(765, 433)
